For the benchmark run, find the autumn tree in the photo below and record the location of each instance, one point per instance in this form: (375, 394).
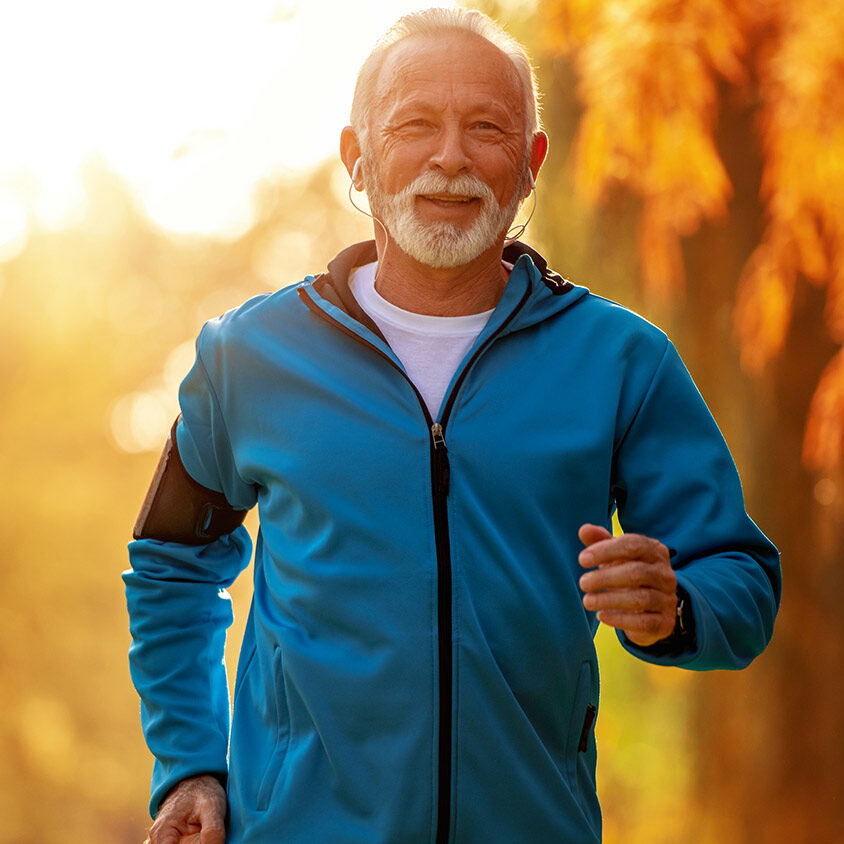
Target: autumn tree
(720, 123)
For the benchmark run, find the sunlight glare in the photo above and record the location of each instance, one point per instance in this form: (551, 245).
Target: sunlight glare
(14, 226)
(192, 103)
(140, 421)
(177, 365)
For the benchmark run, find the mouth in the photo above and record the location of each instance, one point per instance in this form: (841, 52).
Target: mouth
(448, 200)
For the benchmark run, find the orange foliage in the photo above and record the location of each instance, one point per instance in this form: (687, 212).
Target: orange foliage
(647, 80)
(802, 124)
(825, 429)
(763, 306)
(802, 136)
(647, 72)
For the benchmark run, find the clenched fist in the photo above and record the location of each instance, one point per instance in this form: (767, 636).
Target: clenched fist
(194, 812)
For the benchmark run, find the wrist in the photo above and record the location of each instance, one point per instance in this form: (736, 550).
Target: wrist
(682, 638)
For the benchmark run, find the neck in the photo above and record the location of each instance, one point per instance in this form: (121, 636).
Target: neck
(453, 291)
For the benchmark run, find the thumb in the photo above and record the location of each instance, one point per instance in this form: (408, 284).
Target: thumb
(590, 534)
(213, 832)
(212, 823)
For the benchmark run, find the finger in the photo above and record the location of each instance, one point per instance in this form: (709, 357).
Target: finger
(168, 827)
(642, 628)
(629, 575)
(589, 533)
(175, 823)
(631, 600)
(630, 546)
(164, 834)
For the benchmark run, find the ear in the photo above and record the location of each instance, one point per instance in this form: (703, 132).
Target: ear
(538, 151)
(350, 153)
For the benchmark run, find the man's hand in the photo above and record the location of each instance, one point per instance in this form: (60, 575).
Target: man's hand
(631, 586)
(194, 812)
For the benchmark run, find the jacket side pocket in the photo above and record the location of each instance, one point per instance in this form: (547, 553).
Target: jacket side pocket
(580, 747)
(277, 706)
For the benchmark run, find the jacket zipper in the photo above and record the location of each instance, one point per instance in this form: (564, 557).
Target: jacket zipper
(440, 485)
(440, 482)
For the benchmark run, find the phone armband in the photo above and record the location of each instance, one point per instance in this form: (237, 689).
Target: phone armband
(179, 509)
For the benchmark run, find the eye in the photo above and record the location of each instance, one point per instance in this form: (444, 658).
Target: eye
(415, 126)
(486, 127)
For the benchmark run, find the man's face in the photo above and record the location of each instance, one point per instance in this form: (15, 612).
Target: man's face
(445, 160)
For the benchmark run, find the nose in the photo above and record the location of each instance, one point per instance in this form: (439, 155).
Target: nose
(450, 156)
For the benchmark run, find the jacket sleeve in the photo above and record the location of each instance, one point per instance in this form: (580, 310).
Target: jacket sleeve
(675, 480)
(179, 608)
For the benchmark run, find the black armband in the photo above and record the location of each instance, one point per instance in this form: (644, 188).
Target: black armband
(179, 509)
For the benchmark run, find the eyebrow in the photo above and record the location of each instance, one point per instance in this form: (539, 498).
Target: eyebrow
(489, 108)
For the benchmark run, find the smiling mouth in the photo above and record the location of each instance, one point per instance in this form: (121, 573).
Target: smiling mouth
(449, 199)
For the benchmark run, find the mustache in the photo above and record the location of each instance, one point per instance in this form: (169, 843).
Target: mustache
(462, 185)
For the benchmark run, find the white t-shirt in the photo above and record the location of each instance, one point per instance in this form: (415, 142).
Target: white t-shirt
(429, 347)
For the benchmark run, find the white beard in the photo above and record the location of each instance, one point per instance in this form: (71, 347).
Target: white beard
(441, 245)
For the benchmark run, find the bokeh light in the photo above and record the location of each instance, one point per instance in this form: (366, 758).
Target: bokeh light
(193, 103)
(14, 226)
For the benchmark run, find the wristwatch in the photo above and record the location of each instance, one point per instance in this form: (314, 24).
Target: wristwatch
(681, 621)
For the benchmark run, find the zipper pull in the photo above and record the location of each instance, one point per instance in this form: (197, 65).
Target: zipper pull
(441, 464)
(437, 435)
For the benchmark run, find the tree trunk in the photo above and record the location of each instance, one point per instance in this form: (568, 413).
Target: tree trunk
(770, 739)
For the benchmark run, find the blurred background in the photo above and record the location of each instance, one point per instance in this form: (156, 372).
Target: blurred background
(161, 162)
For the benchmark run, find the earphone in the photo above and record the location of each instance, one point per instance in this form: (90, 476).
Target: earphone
(519, 230)
(355, 177)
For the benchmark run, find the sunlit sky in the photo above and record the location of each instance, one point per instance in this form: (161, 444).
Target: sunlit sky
(191, 102)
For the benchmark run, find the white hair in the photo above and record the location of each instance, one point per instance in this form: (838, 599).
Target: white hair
(433, 22)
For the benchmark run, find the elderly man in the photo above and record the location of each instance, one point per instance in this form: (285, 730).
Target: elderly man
(436, 433)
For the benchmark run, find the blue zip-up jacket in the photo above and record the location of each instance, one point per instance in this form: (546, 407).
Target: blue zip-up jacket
(417, 664)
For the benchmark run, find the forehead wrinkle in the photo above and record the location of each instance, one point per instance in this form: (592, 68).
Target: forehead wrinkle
(405, 70)
(429, 103)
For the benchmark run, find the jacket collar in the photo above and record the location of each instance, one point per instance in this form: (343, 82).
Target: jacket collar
(554, 294)
(553, 281)
(341, 266)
